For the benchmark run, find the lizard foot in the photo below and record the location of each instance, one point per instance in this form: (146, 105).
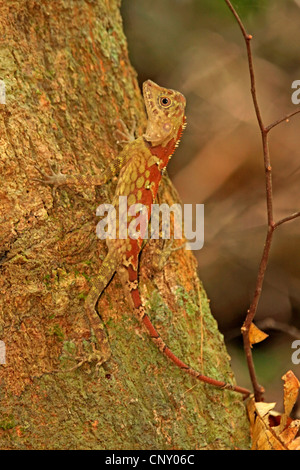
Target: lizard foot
(56, 178)
(99, 335)
(94, 355)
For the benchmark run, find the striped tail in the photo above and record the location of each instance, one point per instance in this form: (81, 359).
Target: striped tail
(106, 272)
(145, 320)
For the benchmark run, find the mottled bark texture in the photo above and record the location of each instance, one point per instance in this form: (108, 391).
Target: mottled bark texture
(68, 81)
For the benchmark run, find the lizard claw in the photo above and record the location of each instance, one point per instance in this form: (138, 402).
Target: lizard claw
(56, 178)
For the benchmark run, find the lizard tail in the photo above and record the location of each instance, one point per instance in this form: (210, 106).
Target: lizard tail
(145, 320)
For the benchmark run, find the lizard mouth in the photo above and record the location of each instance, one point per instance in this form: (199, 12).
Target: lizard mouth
(148, 89)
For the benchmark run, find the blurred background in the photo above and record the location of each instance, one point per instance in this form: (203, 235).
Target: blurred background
(196, 47)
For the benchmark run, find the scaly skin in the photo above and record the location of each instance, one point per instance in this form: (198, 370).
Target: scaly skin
(140, 164)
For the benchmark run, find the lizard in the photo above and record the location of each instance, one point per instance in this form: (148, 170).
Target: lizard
(140, 166)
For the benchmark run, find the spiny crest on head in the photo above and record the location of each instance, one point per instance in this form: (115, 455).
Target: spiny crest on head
(165, 109)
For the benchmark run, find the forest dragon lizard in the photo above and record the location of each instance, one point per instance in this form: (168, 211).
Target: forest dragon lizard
(140, 165)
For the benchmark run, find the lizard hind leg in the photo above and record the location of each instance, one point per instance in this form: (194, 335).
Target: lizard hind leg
(105, 274)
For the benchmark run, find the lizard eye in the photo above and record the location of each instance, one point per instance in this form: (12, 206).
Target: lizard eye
(164, 101)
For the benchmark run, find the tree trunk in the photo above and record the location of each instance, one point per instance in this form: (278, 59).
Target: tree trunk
(68, 81)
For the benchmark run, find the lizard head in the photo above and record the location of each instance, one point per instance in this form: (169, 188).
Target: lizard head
(165, 110)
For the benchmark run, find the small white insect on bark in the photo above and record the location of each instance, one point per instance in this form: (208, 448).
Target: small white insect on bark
(2, 352)
(2, 92)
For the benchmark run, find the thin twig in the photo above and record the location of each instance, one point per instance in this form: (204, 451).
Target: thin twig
(258, 389)
(279, 121)
(271, 324)
(287, 219)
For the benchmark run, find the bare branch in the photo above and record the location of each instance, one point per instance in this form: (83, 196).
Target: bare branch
(248, 38)
(258, 389)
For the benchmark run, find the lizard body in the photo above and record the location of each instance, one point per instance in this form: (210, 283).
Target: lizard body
(140, 165)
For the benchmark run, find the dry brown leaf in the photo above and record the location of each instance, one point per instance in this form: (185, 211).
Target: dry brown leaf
(263, 437)
(295, 445)
(289, 434)
(256, 335)
(290, 388)
(266, 433)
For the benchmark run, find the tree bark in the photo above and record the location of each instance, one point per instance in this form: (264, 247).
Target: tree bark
(68, 81)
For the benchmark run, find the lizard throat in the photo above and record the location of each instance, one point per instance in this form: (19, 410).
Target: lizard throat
(164, 153)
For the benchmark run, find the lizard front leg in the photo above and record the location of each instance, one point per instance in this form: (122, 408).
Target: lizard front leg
(56, 178)
(125, 135)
